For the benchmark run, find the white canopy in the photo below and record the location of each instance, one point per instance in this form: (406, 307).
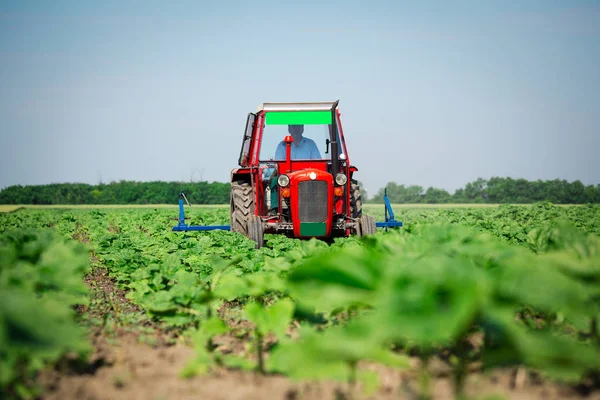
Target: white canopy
(317, 106)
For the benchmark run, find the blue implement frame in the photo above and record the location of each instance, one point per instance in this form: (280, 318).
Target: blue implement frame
(390, 222)
(183, 227)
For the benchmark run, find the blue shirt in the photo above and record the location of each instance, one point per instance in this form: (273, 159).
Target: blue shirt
(306, 150)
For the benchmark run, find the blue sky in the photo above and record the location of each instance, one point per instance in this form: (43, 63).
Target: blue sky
(435, 95)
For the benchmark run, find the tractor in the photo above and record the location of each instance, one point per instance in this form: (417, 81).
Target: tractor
(295, 177)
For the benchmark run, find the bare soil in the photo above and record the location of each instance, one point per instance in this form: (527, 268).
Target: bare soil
(130, 370)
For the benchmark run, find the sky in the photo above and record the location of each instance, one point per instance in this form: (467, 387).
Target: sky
(431, 93)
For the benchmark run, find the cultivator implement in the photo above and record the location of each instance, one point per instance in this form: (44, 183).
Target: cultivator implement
(389, 222)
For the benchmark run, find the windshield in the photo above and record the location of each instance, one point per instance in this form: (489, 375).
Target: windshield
(309, 129)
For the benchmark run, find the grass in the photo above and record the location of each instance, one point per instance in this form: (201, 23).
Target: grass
(9, 207)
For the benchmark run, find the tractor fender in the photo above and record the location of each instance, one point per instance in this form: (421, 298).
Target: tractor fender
(238, 174)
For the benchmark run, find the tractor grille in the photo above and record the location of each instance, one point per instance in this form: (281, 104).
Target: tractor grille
(312, 201)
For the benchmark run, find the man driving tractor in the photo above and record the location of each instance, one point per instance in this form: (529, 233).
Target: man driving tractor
(302, 148)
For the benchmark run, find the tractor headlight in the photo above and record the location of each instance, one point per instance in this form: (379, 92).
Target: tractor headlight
(341, 179)
(283, 180)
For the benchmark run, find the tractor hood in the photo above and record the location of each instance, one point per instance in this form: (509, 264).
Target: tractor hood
(311, 202)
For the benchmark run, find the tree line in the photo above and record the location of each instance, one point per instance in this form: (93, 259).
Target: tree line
(122, 192)
(496, 190)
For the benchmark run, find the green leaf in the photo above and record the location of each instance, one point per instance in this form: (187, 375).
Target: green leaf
(279, 316)
(274, 319)
(231, 287)
(560, 357)
(160, 302)
(213, 326)
(257, 314)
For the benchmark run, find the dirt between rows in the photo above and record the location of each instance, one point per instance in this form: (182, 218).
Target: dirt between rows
(121, 367)
(132, 370)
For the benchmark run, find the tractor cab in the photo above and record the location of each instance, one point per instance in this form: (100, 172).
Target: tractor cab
(310, 136)
(295, 173)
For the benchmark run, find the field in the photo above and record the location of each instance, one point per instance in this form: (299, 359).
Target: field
(475, 302)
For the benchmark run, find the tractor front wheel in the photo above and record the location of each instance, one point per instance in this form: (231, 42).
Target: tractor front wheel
(242, 206)
(256, 230)
(367, 225)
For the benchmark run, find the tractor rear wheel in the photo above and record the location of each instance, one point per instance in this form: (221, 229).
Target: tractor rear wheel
(256, 230)
(355, 200)
(242, 206)
(367, 225)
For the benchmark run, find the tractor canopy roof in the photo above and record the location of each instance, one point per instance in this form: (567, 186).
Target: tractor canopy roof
(317, 106)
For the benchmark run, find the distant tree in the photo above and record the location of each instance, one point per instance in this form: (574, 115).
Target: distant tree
(591, 194)
(575, 193)
(436, 196)
(122, 192)
(475, 192)
(400, 193)
(496, 190)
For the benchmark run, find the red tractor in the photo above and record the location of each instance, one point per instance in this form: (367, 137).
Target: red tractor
(295, 178)
(295, 175)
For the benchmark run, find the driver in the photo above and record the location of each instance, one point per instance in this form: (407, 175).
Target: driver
(302, 148)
